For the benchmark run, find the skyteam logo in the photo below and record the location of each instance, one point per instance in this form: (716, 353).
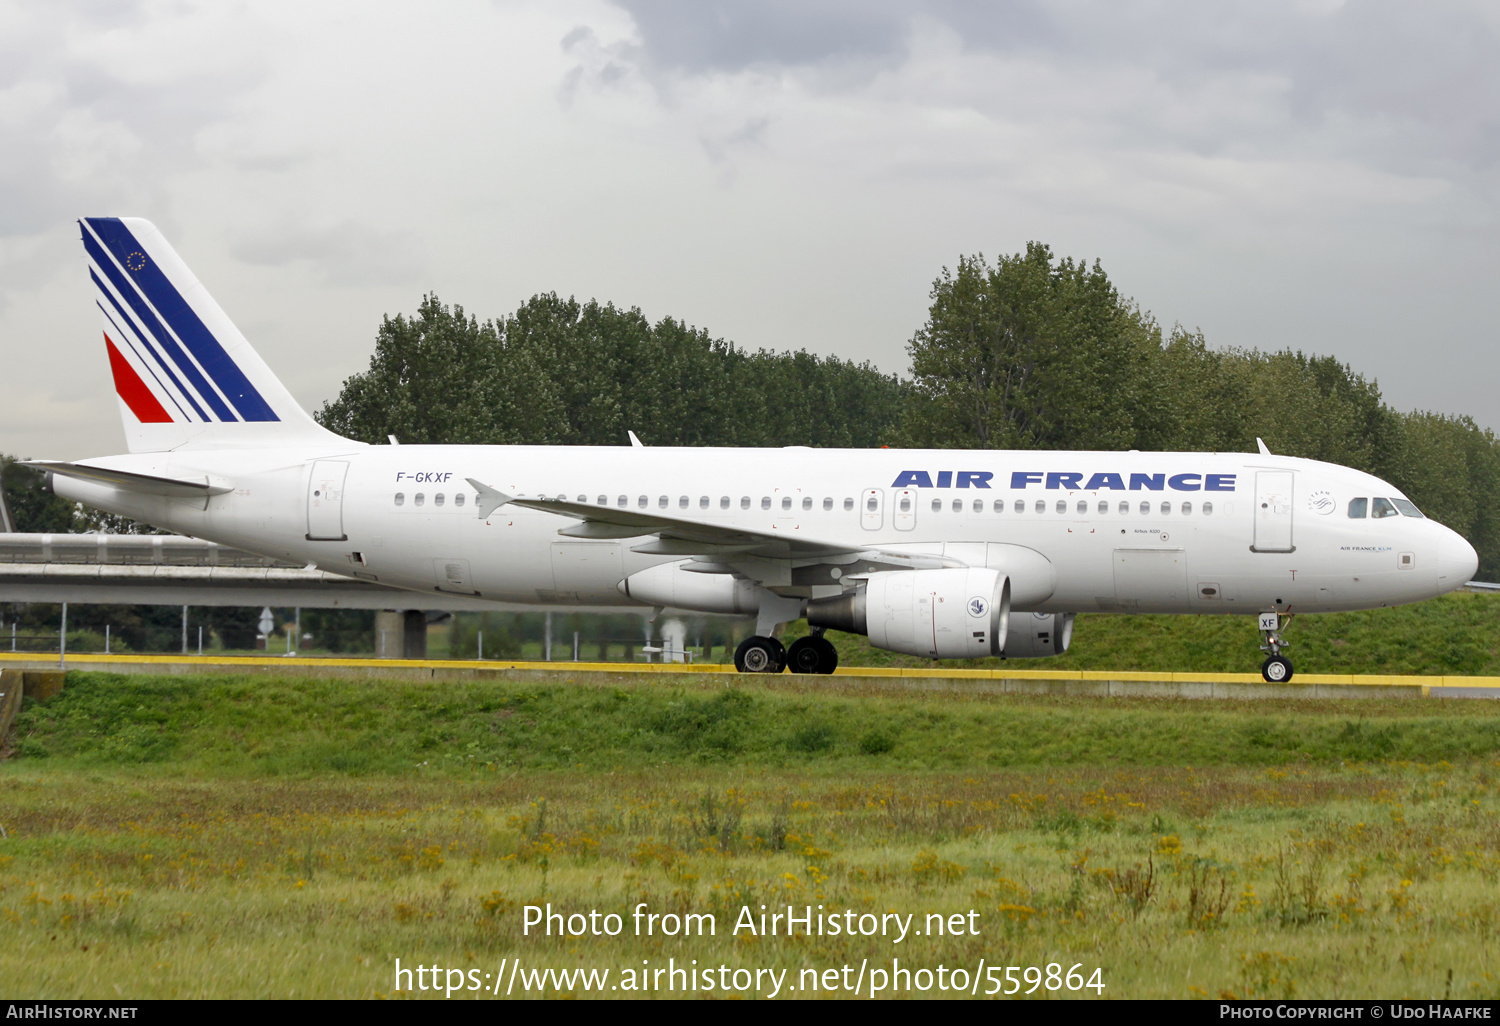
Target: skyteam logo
(1068, 480)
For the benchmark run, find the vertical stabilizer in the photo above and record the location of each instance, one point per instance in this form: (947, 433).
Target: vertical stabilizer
(185, 376)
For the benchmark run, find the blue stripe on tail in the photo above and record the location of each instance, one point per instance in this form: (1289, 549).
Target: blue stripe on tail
(185, 322)
(163, 337)
(146, 342)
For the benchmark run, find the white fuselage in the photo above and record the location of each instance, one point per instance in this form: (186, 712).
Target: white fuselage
(1140, 532)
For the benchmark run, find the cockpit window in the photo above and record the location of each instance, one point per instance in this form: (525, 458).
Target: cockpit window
(1408, 508)
(1359, 509)
(1382, 508)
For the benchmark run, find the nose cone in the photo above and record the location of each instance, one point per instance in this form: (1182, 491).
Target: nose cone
(1456, 560)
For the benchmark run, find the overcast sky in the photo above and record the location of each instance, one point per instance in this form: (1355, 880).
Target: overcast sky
(1306, 174)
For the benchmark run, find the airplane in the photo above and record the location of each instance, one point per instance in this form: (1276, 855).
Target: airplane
(946, 554)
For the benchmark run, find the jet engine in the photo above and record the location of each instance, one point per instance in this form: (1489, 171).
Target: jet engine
(667, 584)
(960, 613)
(1033, 635)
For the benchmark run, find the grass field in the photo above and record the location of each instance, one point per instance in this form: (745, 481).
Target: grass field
(239, 837)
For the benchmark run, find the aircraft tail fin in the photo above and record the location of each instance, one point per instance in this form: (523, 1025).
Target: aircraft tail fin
(185, 376)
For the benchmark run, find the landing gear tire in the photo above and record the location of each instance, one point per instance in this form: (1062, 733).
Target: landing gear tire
(1276, 670)
(760, 655)
(812, 655)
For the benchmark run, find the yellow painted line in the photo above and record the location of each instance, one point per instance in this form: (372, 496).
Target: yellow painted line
(1004, 673)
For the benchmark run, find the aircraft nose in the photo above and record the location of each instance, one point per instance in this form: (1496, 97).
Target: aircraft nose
(1457, 560)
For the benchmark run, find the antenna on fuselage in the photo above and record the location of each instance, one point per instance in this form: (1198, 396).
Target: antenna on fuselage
(1262, 447)
(635, 443)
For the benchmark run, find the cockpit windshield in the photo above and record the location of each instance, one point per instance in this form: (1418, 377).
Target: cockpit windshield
(1408, 508)
(1382, 508)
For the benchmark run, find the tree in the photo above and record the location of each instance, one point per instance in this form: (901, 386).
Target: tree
(1032, 352)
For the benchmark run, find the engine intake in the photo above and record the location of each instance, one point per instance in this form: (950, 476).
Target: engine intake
(961, 613)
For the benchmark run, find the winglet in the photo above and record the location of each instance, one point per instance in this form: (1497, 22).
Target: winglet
(1262, 447)
(489, 499)
(635, 443)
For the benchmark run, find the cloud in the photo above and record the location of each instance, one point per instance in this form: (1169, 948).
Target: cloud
(347, 253)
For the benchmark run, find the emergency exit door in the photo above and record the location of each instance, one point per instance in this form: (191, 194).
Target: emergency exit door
(1273, 511)
(325, 501)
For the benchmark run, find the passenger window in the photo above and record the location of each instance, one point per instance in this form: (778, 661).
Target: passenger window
(581, 499)
(827, 504)
(1381, 508)
(1166, 509)
(807, 502)
(1187, 509)
(872, 504)
(1408, 508)
(401, 498)
(1103, 507)
(437, 500)
(848, 505)
(723, 502)
(1124, 508)
(765, 502)
(1083, 506)
(905, 504)
(999, 505)
(603, 500)
(1145, 508)
(958, 505)
(663, 501)
(744, 502)
(418, 499)
(1041, 505)
(703, 502)
(1020, 505)
(623, 501)
(937, 505)
(786, 502)
(682, 502)
(458, 500)
(643, 502)
(1208, 509)
(1062, 506)
(978, 505)
(1358, 508)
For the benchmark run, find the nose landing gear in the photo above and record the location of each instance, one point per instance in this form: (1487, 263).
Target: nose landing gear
(1277, 669)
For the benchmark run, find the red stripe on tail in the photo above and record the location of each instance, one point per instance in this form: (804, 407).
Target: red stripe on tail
(133, 390)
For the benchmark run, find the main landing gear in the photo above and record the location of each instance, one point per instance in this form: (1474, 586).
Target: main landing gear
(1277, 669)
(813, 654)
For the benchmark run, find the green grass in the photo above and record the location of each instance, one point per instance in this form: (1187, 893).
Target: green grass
(293, 837)
(1454, 634)
(298, 725)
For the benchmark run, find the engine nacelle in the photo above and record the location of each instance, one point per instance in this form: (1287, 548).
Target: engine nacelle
(942, 614)
(1033, 635)
(667, 584)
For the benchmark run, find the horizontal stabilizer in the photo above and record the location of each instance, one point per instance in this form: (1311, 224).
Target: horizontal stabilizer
(192, 488)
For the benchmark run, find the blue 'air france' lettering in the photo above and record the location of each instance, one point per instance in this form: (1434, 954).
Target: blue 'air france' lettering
(922, 479)
(1069, 480)
(1073, 481)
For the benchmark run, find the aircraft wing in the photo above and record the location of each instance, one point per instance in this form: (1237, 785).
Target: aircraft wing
(718, 548)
